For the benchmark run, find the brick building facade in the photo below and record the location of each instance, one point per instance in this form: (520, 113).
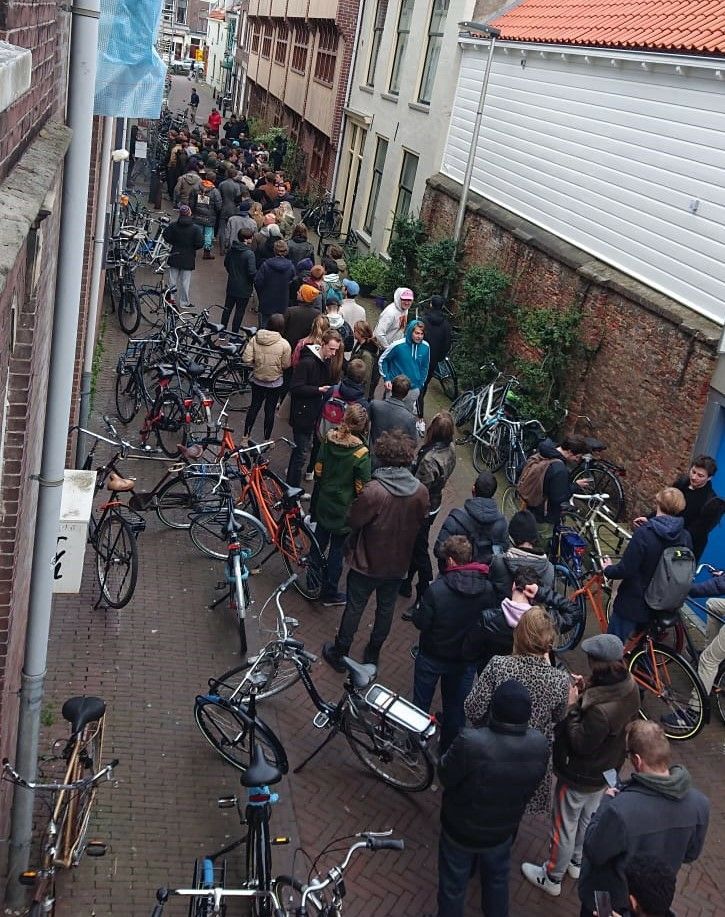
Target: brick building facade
(650, 360)
(33, 143)
(299, 58)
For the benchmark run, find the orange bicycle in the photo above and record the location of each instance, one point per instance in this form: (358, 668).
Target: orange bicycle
(667, 682)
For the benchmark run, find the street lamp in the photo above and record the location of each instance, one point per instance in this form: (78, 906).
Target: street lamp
(474, 30)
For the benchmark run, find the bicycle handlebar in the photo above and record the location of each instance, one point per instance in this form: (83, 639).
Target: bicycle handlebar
(14, 777)
(162, 896)
(283, 587)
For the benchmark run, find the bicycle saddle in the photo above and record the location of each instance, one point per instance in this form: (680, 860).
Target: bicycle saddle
(260, 772)
(118, 484)
(193, 452)
(80, 711)
(293, 493)
(251, 330)
(215, 327)
(164, 371)
(661, 620)
(228, 347)
(360, 675)
(594, 445)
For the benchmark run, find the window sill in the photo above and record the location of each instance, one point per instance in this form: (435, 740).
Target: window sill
(389, 97)
(298, 72)
(364, 237)
(368, 89)
(322, 83)
(419, 106)
(15, 73)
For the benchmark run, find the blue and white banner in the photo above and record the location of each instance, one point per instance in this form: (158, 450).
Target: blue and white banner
(130, 74)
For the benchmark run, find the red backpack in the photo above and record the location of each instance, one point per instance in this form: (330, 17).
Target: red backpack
(332, 413)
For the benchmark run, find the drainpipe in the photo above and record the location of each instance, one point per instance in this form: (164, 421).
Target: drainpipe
(99, 244)
(82, 77)
(348, 90)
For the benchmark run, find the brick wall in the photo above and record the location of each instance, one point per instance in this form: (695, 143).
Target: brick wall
(646, 378)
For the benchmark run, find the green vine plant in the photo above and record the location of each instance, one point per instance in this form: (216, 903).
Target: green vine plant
(485, 316)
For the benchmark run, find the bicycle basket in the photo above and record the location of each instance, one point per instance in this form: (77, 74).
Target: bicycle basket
(128, 359)
(572, 544)
(399, 710)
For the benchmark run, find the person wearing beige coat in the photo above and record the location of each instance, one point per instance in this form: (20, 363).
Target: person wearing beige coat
(269, 354)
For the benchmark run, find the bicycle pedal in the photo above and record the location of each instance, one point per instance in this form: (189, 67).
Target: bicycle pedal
(321, 720)
(96, 849)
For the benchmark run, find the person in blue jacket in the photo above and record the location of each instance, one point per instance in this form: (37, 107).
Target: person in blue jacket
(410, 356)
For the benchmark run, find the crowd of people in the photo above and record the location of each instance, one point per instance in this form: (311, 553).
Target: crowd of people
(539, 741)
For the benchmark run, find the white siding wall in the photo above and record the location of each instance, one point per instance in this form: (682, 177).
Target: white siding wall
(610, 158)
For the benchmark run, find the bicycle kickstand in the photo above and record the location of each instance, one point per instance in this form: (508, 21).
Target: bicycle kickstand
(333, 732)
(226, 597)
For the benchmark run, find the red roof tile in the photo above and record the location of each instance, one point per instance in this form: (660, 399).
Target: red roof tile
(684, 26)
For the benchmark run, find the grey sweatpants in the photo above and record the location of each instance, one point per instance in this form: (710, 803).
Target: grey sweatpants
(573, 810)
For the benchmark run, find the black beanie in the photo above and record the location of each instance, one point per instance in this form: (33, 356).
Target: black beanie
(522, 527)
(511, 703)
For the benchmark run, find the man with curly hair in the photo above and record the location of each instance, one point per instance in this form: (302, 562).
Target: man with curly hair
(384, 521)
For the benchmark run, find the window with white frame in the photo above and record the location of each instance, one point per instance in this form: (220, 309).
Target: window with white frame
(405, 185)
(433, 50)
(378, 25)
(381, 151)
(405, 19)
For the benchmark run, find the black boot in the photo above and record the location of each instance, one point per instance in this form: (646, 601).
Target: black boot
(371, 656)
(333, 656)
(406, 588)
(408, 614)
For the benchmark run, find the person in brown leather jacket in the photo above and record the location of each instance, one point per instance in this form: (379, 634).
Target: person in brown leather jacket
(384, 521)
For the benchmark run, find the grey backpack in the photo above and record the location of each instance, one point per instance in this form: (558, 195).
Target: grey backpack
(672, 579)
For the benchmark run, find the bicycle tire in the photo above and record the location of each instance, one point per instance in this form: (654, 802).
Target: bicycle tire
(129, 311)
(486, 457)
(170, 424)
(231, 383)
(510, 502)
(240, 599)
(258, 863)
(226, 729)
(566, 583)
(128, 398)
(719, 689)
(268, 673)
(151, 305)
(680, 684)
(378, 742)
(206, 532)
(301, 554)
(179, 497)
(463, 407)
(288, 892)
(116, 547)
(448, 379)
(605, 481)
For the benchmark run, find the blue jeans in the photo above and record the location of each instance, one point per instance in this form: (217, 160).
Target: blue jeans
(622, 627)
(455, 865)
(456, 682)
(334, 558)
(208, 237)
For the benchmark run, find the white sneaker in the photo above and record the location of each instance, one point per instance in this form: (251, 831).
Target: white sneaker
(309, 476)
(574, 870)
(537, 876)
(420, 426)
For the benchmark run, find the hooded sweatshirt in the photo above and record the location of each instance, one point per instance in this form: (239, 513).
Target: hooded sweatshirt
(407, 358)
(438, 334)
(392, 321)
(188, 182)
(342, 469)
(556, 485)
(482, 522)
(338, 323)
(639, 562)
(504, 567)
(665, 818)
(269, 354)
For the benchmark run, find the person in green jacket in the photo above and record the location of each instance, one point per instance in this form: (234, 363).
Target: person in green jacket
(342, 469)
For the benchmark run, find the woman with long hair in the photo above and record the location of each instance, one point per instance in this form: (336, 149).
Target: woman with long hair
(320, 325)
(433, 466)
(342, 468)
(548, 686)
(367, 349)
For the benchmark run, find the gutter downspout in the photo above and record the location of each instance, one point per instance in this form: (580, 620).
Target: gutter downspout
(81, 80)
(94, 301)
(348, 91)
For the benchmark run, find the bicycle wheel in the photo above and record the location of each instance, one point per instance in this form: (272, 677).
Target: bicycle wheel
(487, 456)
(151, 305)
(207, 532)
(231, 383)
(240, 599)
(463, 407)
(670, 692)
(128, 397)
(74, 822)
(226, 729)
(129, 311)
(288, 892)
(187, 494)
(272, 672)
(510, 502)
(259, 860)
(566, 583)
(169, 423)
(719, 689)
(391, 752)
(446, 375)
(604, 481)
(302, 555)
(515, 460)
(116, 560)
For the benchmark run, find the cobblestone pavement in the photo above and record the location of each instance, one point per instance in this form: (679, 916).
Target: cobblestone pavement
(150, 659)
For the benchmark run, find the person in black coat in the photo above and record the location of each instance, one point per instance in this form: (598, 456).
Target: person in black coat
(272, 283)
(488, 776)
(557, 488)
(241, 267)
(480, 520)
(439, 334)
(185, 239)
(310, 381)
(640, 559)
(448, 609)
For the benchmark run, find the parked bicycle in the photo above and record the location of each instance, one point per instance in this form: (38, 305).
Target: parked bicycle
(63, 841)
(389, 735)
